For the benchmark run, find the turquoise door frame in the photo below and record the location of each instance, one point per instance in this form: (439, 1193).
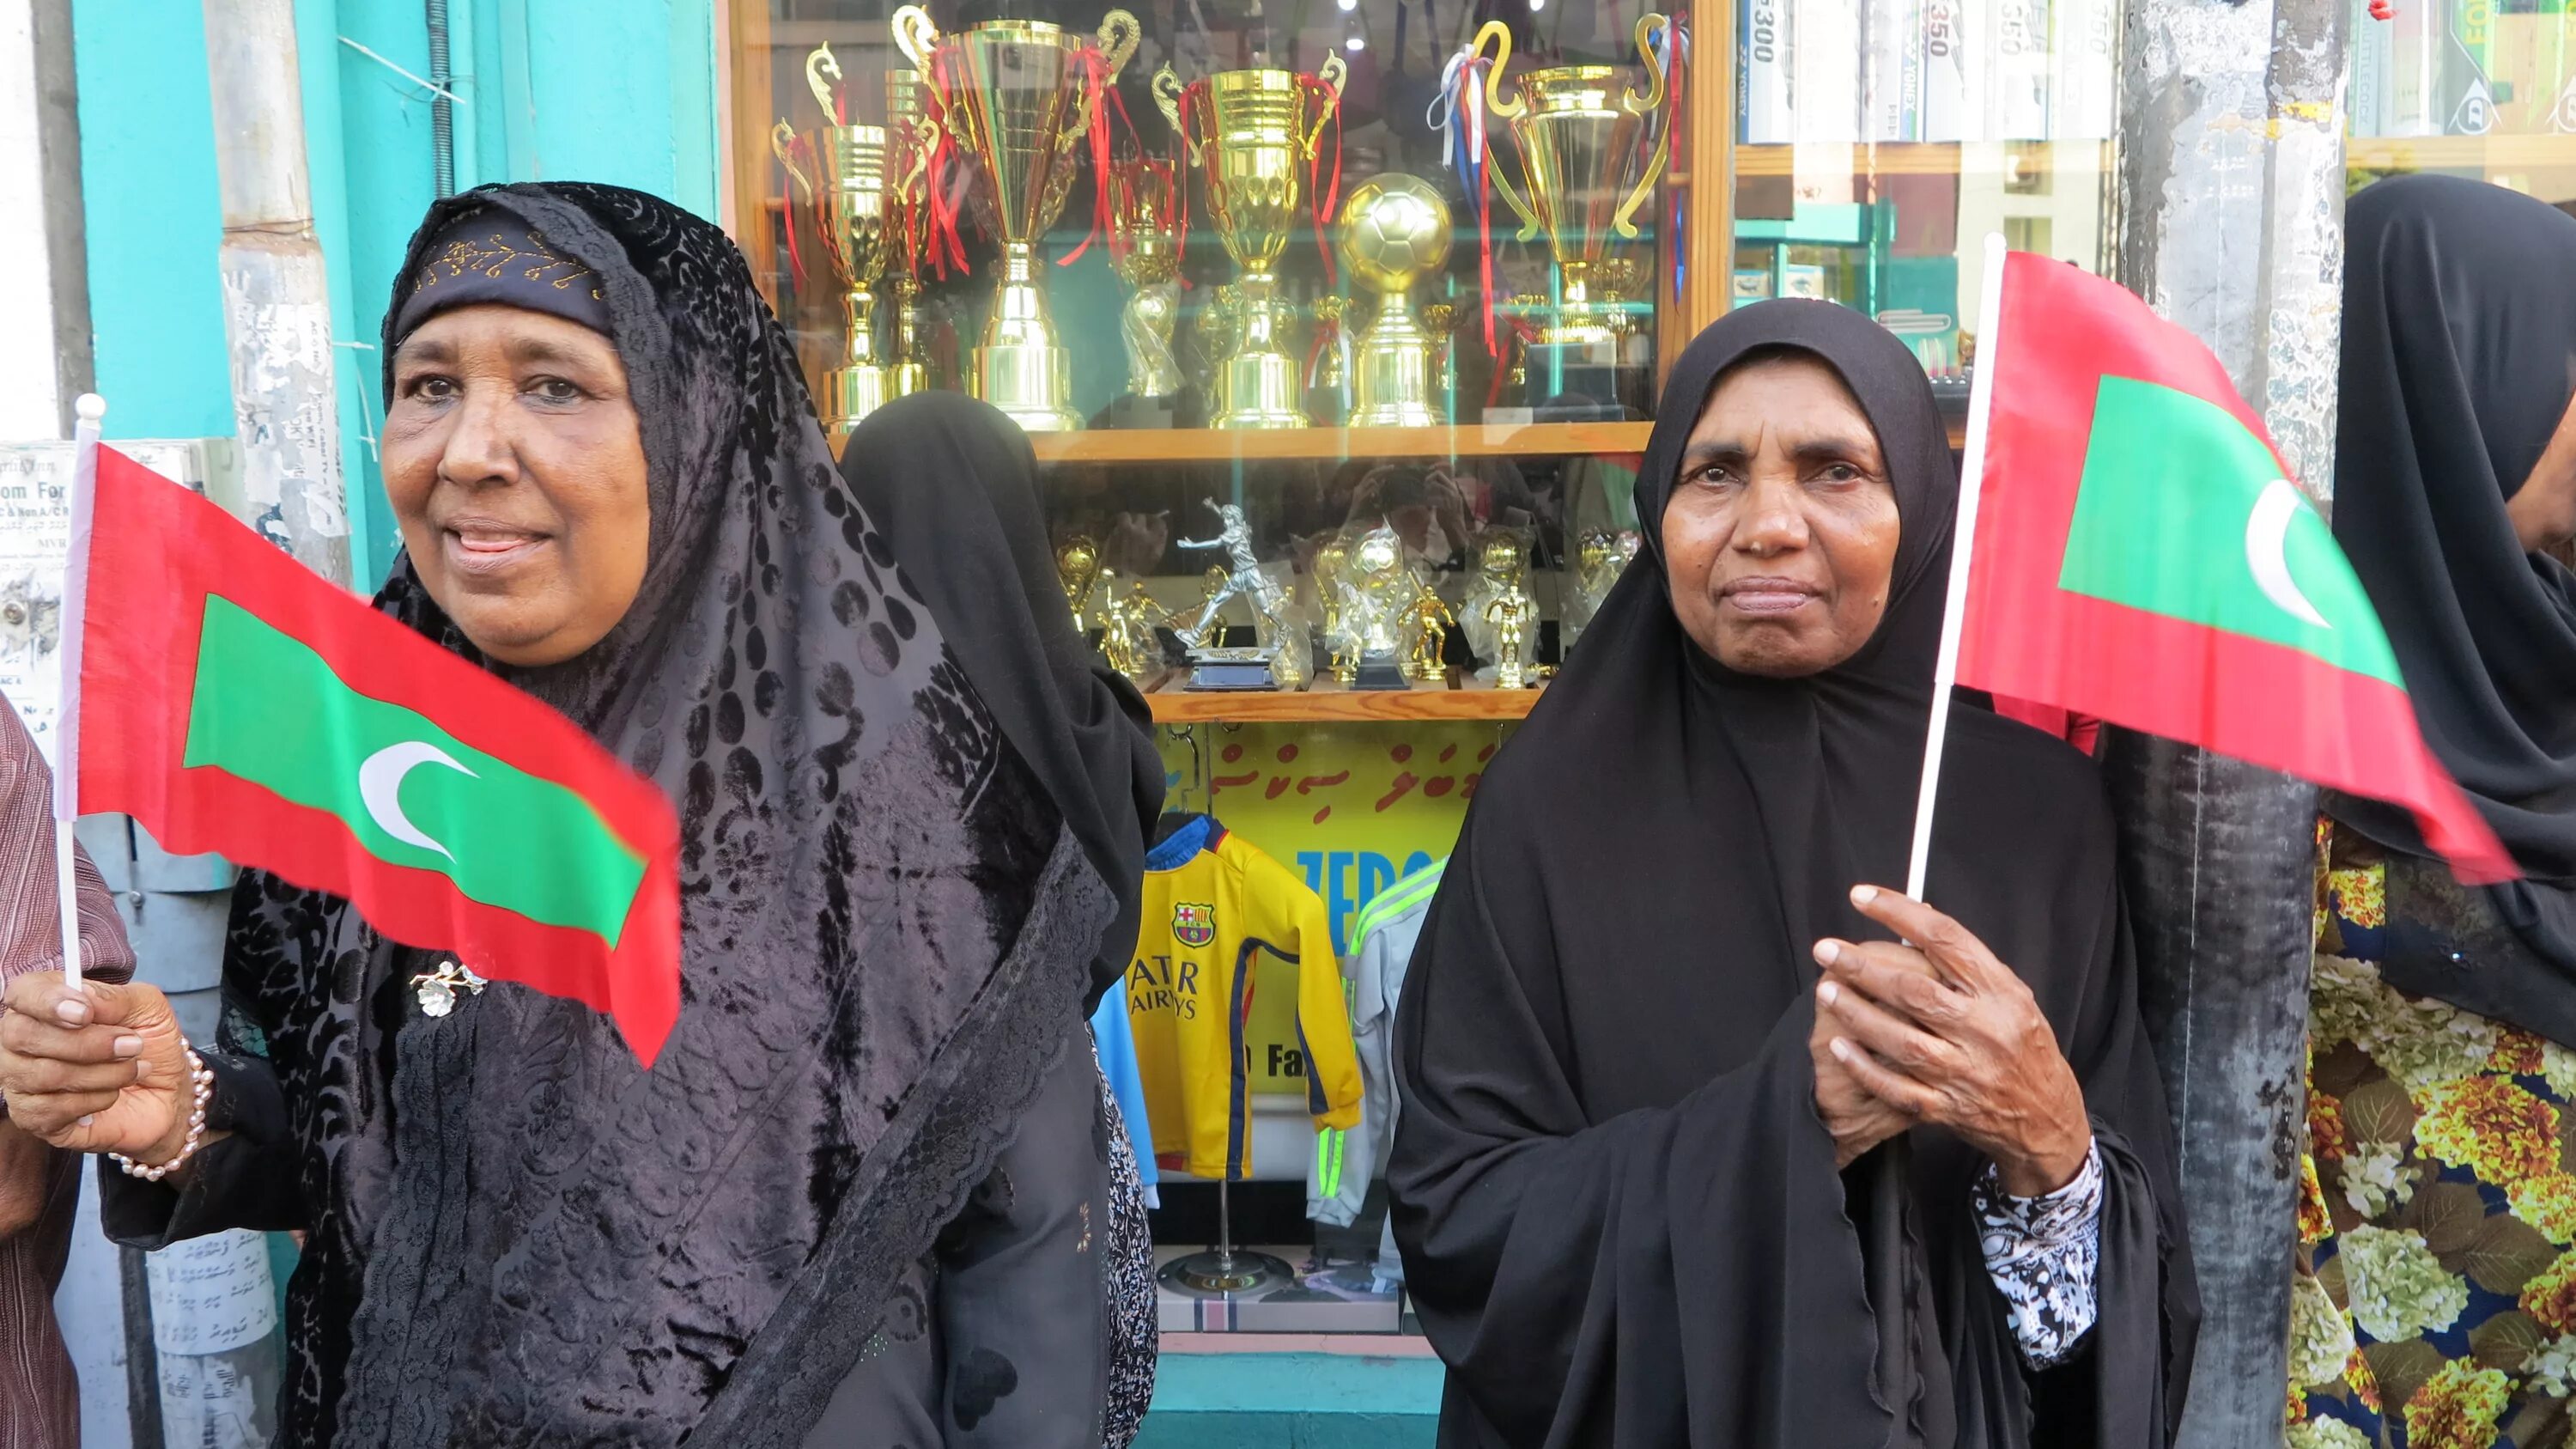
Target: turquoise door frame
(154, 219)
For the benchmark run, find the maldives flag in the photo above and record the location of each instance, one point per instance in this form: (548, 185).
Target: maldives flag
(233, 701)
(2141, 555)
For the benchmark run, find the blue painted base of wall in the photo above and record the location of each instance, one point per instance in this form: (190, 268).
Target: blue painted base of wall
(1288, 1431)
(1292, 1401)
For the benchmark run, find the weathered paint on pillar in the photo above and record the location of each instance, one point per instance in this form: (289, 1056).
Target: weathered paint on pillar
(2231, 178)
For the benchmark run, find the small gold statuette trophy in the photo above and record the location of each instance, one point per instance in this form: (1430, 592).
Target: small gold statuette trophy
(1511, 612)
(1395, 232)
(1127, 638)
(1383, 593)
(1256, 134)
(1333, 604)
(1429, 630)
(1279, 657)
(1578, 130)
(1145, 251)
(1020, 96)
(1077, 568)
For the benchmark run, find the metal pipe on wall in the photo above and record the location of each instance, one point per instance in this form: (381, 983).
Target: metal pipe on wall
(2231, 223)
(442, 104)
(277, 301)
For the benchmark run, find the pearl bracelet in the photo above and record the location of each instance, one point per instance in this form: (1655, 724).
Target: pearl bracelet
(205, 1092)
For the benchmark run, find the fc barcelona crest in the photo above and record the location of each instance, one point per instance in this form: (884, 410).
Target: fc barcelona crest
(1193, 925)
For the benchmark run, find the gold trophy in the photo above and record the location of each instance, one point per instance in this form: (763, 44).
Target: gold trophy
(1255, 133)
(855, 217)
(912, 141)
(1145, 251)
(1576, 128)
(1395, 231)
(1510, 613)
(1383, 591)
(1077, 569)
(1020, 95)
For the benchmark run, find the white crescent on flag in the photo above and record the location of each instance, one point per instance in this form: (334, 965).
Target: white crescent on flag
(2267, 537)
(380, 778)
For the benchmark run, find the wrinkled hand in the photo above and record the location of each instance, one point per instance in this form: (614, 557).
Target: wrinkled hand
(1943, 1032)
(1856, 1120)
(101, 1069)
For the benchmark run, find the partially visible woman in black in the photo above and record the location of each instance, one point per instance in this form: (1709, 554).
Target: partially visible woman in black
(1653, 1038)
(952, 485)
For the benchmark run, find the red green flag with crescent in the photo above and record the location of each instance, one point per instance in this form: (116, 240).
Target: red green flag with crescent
(233, 701)
(2142, 555)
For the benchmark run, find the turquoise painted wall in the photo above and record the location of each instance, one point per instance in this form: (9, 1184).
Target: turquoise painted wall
(1292, 1401)
(547, 89)
(148, 183)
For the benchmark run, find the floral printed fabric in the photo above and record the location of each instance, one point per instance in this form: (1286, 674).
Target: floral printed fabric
(2045, 1254)
(2434, 1305)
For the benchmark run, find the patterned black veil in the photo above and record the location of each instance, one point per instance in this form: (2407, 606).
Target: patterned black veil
(519, 1237)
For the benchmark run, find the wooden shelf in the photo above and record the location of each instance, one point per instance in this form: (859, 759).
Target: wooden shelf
(1213, 445)
(1328, 702)
(2458, 153)
(1883, 158)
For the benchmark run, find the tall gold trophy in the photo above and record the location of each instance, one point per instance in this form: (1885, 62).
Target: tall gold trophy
(1255, 133)
(1020, 95)
(1395, 231)
(851, 205)
(911, 143)
(1577, 128)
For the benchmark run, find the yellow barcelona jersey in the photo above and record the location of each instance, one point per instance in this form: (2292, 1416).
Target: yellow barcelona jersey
(1233, 991)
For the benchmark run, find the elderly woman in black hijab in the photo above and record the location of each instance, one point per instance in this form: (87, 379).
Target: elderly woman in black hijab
(1693, 1151)
(2433, 1303)
(868, 1193)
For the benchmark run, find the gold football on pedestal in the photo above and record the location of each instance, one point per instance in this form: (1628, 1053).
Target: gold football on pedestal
(1395, 231)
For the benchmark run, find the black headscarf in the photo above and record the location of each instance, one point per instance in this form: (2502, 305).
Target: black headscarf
(2459, 357)
(518, 1236)
(953, 484)
(1619, 1211)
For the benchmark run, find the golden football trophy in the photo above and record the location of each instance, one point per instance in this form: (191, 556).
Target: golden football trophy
(1577, 129)
(1395, 231)
(1019, 95)
(1383, 591)
(849, 196)
(1145, 251)
(1256, 135)
(1077, 569)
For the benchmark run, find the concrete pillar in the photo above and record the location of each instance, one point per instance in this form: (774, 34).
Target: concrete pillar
(2231, 192)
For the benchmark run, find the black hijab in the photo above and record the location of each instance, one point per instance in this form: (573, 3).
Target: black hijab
(2459, 357)
(953, 484)
(518, 1236)
(1619, 1212)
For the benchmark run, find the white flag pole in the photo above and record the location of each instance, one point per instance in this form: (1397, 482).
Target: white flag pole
(1963, 542)
(89, 409)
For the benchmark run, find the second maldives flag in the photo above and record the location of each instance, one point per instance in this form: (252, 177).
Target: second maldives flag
(2141, 555)
(233, 701)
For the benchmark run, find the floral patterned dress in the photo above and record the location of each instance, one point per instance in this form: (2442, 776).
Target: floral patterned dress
(2434, 1305)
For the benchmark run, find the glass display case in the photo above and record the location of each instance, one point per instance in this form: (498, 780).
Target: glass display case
(1337, 327)
(2482, 88)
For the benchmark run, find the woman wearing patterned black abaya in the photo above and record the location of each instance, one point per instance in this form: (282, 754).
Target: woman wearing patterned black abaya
(877, 1122)
(1655, 1044)
(2434, 1301)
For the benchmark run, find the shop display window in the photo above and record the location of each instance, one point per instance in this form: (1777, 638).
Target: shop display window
(1337, 328)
